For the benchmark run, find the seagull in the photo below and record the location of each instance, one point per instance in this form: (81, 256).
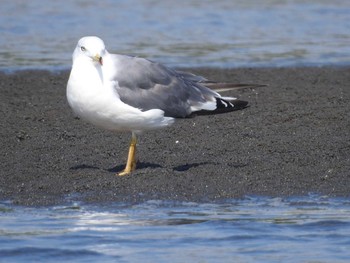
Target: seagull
(127, 93)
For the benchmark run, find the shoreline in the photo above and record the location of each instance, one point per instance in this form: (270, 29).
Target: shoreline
(292, 140)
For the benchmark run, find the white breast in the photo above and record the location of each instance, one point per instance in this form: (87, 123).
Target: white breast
(92, 95)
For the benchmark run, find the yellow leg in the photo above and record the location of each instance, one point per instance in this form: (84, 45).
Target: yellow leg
(131, 162)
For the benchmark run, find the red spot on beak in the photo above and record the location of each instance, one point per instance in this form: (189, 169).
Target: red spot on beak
(100, 61)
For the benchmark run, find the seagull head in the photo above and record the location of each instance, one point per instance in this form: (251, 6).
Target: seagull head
(91, 48)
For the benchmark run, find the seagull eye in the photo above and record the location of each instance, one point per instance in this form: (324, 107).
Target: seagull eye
(82, 48)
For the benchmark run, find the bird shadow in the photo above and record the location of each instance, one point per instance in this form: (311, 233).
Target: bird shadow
(185, 167)
(84, 166)
(115, 169)
(139, 166)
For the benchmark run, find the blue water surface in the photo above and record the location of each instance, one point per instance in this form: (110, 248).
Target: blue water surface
(254, 229)
(194, 33)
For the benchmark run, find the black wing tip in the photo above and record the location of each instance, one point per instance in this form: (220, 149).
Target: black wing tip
(230, 105)
(223, 106)
(240, 104)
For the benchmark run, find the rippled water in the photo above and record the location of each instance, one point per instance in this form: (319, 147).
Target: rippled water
(191, 33)
(308, 229)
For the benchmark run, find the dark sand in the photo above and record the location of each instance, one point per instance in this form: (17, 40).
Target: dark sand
(294, 139)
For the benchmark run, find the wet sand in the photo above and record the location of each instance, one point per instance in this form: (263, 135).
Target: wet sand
(293, 140)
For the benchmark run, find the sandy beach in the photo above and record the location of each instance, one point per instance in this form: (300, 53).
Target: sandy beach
(293, 140)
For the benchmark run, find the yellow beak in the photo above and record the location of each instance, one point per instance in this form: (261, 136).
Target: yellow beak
(98, 58)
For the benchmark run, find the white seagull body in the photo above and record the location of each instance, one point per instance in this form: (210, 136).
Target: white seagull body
(124, 93)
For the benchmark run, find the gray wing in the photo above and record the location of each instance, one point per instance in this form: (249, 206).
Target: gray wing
(148, 85)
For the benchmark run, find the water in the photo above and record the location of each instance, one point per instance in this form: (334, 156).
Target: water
(255, 229)
(193, 33)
